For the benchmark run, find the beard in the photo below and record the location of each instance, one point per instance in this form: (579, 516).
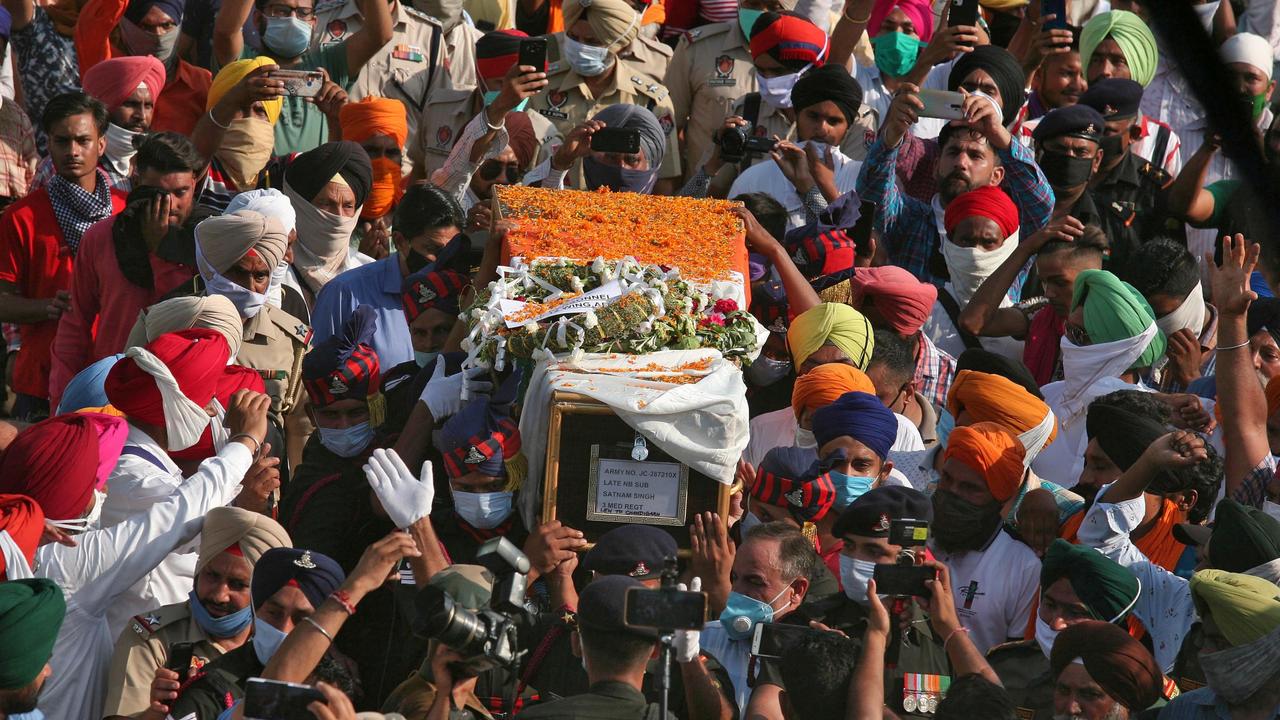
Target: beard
(954, 185)
(23, 700)
(959, 525)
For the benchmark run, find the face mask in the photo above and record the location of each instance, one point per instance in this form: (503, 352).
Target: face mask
(1259, 104)
(247, 302)
(245, 149)
(448, 12)
(1238, 673)
(415, 261)
(1045, 635)
(849, 488)
(777, 90)
(92, 521)
(854, 576)
(424, 359)
(1187, 316)
(223, 627)
(617, 178)
(742, 613)
(491, 95)
(970, 266)
(586, 60)
(749, 521)
(766, 371)
(120, 150)
(287, 37)
(1205, 14)
(384, 190)
(275, 290)
(1110, 146)
(747, 20)
(347, 442)
(805, 438)
(266, 639)
(895, 52)
(961, 526)
(483, 511)
(946, 424)
(142, 42)
(1066, 171)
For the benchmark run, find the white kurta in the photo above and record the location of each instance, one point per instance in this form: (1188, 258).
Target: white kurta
(106, 564)
(765, 177)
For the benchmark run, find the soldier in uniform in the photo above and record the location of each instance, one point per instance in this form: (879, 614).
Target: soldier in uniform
(649, 55)
(183, 638)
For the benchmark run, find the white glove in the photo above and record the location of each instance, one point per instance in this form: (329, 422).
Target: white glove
(685, 643)
(444, 393)
(405, 498)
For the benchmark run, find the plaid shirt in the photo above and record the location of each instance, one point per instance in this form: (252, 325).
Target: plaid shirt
(908, 225)
(1253, 491)
(935, 369)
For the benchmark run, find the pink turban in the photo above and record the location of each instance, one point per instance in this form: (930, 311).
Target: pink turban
(903, 301)
(113, 81)
(919, 11)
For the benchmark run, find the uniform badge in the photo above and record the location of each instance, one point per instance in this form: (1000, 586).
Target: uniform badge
(639, 570)
(336, 29)
(408, 53)
(556, 100)
(426, 294)
(197, 664)
(667, 122)
(444, 135)
(303, 332)
(795, 497)
(723, 76)
(305, 562)
(337, 386)
(883, 524)
(474, 456)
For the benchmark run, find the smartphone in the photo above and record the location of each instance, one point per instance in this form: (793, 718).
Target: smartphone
(533, 52)
(903, 580)
(299, 83)
(275, 700)
(665, 609)
(944, 104)
(616, 140)
(772, 640)
(860, 233)
(963, 12)
(1057, 8)
(908, 533)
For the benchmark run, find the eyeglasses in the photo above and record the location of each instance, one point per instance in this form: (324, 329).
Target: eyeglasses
(490, 170)
(284, 11)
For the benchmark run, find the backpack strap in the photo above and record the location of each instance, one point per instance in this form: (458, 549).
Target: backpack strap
(953, 311)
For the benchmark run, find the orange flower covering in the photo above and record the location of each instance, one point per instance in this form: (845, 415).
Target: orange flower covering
(701, 237)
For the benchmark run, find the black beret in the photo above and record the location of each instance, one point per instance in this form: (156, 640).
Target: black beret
(870, 514)
(1077, 120)
(1114, 98)
(633, 550)
(602, 606)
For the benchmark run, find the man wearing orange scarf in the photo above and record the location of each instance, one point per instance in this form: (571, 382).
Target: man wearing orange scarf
(381, 127)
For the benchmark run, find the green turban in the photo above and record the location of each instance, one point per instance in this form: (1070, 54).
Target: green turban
(1131, 34)
(1245, 608)
(30, 615)
(1243, 537)
(1106, 587)
(836, 323)
(1115, 310)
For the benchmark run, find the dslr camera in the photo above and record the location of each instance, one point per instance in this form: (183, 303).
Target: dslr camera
(905, 578)
(737, 143)
(487, 638)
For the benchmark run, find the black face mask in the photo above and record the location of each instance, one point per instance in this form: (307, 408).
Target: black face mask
(1110, 147)
(961, 526)
(1066, 171)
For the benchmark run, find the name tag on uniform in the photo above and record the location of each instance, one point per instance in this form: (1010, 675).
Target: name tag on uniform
(410, 53)
(921, 693)
(723, 75)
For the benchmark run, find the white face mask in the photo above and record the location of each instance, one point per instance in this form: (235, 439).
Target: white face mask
(1205, 13)
(275, 290)
(777, 90)
(1188, 316)
(969, 266)
(805, 438)
(483, 511)
(120, 150)
(854, 576)
(92, 521)
(586, 60)
(1045, 635)
(247, 302)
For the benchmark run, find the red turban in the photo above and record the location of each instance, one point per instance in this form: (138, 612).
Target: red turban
(195, 358)
(903, 301)
(790, 38)
(521, 138)
(57, 461)
(374, 116)
(113, 81)
(497, 51)
(22, 518)
(234, 377)
(988, 201)
(994, 453)
(920, 12)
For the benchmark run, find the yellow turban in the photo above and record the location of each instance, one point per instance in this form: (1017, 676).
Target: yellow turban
(232, 74)
(825, 384)
(250, 534)
(1244, 607)
(836, 323)
(612, 21)
(997, 399)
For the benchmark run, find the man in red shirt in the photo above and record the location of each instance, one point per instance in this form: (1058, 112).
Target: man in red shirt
(39, 237)
(130, 261)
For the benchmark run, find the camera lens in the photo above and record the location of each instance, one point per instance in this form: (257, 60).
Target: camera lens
(441, 617)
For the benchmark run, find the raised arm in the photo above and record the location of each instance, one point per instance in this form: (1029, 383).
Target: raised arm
(848, 31)
(93, 31)
(800, 294)
(947, 42)
(237, 103)
(21, 13)
(1188, 198)
(866, 686)
(228, 42)
(369, 39)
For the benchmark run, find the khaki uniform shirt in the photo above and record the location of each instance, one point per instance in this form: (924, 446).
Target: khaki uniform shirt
(710, 70)
(274, 343)
(649, 56)
(567, 102)
(447, 113)
(143, 647)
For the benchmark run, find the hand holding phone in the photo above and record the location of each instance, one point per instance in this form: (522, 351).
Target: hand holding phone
(1056, 8)
(533, 52)
(625, 141)
(944, 104)
(299, 83)
(963, 12)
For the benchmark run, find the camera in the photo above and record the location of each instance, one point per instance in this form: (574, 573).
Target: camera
(486, 638)
(736, 144)
(905, 578)
(665, 608)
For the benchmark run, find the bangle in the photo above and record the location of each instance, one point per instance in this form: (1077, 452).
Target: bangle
(257, 444)
(1233, 347)
(946, 642)
(343, 598)
(214, 120)
(845, 14)
(493, 127)
(319, 627)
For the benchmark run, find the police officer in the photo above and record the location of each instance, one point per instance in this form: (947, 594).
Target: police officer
(594, 76)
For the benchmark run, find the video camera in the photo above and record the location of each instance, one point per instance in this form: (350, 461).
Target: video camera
(735, 144)
(905, 578)
(487, 638)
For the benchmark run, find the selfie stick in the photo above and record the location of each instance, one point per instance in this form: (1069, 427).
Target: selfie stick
(665, 640)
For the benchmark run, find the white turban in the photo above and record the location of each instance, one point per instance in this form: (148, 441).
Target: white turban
(269, 202)
(1249, 49)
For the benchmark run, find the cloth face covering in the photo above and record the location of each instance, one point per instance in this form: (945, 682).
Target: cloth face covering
(961, 526)
(1188, 316)
(247, 302)
(184, 421)
(323, 240)
(1084, 366)
(777, 90)
(142, 42)
(246, 148)
(970, 266)
(1237, 673)
(120, 150)
(617, 178)
(76, 209)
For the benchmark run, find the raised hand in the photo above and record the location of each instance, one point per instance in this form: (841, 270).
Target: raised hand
(406, 498)
(1230, 280)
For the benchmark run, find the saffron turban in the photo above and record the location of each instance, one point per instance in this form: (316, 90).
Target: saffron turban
(1245, 608)
(1115, 310)
(213, 312)
(374, 116)
(31, 613)
(988, 201)
(233, 73)
(497, 51)
(613, 22)
(860, 416)
(58, 462)
(1131, 34)
(788, 38)
(836, 323)
(988, 362)
(992, 398)
(23, 519)
(222, 240)
(269, 202)
(345, 367)
(1107, 588)
(112, 81)
(991, 451)
(825, 384)
(903, 301)
(240, 532)
(919, 11)
(85, 389)
(788, 479)
(316, 575)
(1121, 666)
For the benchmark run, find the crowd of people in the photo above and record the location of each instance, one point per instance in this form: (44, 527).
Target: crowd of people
(1016, 271)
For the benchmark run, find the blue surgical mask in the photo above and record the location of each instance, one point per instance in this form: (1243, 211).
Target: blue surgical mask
(266, 639)
(741, 613)
(586, 60)
(33, 715)
(347, 442)
(483, 511)
(617, 178)
(777, 90)
(896, 52)
(287, 37)
(849, 488)
(946, 423)
(854, 576)
(491, 95)
(747, 20)
(223, 627)
(424, 359)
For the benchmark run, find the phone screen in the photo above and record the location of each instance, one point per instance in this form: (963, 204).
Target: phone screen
(667, 609)
(772, 640)
(275, 700)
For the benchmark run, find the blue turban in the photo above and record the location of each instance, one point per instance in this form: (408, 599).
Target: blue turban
(137, 9)
(860, 416)
(86, 389)
(315, 575)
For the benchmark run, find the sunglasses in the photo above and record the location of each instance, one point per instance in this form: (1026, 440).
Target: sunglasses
(491, 169)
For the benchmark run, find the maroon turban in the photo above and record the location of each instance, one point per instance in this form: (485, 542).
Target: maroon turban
(56, 462)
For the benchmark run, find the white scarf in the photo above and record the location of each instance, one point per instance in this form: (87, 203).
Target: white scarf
(1034, 439)
(120, 150)
(968, 267)
(324, 239)
(1088, 371)
(184, 421)
(15, 563)
(1189, 315)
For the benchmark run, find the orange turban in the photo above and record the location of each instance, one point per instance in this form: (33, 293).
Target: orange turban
(993, 452)
(374, 116)
(997, 399)
(825, 384)
(22, 518)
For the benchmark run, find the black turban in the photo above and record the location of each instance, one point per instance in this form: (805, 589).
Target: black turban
(988, 362)
(1003, 69)
(1122, 435)
(1243, 538)
(315, 575)
(312, 170)
(1264, 314)
(828, 82)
